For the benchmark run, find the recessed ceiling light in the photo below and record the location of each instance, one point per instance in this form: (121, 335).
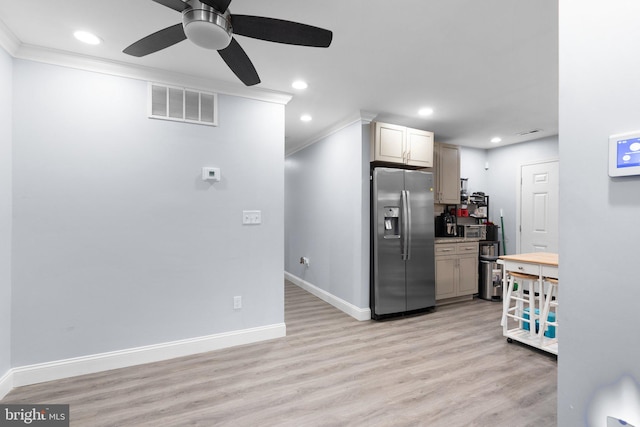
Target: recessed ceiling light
(299, 84)
(426, 111)
(496, 140)
(305, 118)
(87, 37)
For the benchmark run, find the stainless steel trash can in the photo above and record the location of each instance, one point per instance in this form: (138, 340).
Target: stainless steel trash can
(490, 279)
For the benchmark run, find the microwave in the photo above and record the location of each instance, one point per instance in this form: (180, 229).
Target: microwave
(473, 231)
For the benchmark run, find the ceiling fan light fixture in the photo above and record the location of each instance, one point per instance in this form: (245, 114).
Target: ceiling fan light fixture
(207, 28)
(210, 24)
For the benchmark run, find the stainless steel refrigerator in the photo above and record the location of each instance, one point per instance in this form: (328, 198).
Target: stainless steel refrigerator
(402, 222)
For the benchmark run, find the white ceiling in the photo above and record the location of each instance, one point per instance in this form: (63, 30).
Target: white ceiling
(488, 68)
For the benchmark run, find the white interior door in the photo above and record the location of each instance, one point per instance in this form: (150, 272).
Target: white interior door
(539, 188)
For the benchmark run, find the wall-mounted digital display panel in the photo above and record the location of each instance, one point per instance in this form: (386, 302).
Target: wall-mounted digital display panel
(624, 154)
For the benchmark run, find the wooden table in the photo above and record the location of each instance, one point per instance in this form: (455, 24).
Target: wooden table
(542, 266)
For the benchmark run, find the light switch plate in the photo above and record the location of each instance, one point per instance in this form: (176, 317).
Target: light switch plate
(251, 217)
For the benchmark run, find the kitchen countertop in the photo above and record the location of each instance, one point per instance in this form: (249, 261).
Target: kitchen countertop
(455, 239)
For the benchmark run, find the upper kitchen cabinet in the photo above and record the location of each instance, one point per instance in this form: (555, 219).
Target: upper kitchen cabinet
(402, 145)
(419, 148)
(447, 176)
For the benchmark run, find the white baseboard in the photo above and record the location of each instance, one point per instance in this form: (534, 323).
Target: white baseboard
(6, 384)
(32, 374)
(342, 305)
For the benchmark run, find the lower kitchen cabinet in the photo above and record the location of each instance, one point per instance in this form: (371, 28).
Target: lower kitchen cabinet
(446, 277)
(456, 269)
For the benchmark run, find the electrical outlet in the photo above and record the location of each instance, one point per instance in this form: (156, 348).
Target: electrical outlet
(237, 303)
(251, 217)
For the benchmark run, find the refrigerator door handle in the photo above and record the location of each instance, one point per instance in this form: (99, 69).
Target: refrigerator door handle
(405, 225)
(409, 227)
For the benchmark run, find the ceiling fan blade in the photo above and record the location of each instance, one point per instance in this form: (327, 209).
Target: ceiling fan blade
(239, 62)
(177, 5)
(157, 41)
(280, 31)
(219, 5)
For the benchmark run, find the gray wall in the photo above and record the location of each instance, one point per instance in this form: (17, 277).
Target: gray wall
(500, 180)
(503, 179)
(118, 243)
(472, 163)
(6, 80)
(335, 172)
(599, 373)
(327, 205)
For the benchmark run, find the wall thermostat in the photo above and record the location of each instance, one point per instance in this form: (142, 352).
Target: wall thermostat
(211, 174)
(624, 154)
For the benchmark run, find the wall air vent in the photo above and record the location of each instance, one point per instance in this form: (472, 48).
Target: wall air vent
(529, 132)
(182, 105)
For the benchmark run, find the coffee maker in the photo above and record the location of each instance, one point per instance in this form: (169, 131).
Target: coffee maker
(446, 225)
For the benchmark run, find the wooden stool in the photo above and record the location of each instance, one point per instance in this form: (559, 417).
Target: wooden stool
(517, 295)
(548, 303)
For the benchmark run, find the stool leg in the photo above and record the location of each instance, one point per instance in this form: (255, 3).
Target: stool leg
(532, 309)
(557, 305)
(545, 313)
(519, 303)
(506, 302)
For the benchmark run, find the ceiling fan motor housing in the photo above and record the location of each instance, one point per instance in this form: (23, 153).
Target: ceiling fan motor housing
(206, 27)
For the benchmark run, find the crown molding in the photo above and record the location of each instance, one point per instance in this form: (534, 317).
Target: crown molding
(360, 116)
(8, 40)
(368, 116)
(98, 65)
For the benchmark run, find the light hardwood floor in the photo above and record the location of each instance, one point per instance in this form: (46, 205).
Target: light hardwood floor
(451, 367)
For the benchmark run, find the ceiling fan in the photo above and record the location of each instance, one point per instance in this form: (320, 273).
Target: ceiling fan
(209, 24)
